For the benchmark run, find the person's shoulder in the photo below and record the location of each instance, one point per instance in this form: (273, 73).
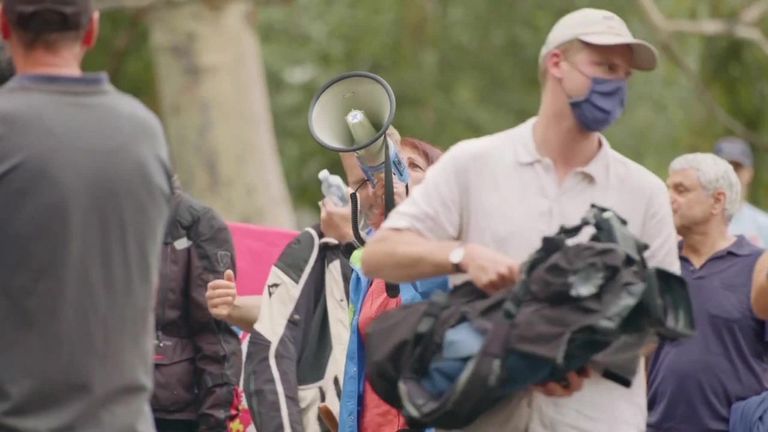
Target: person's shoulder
(299, 253)
(488, 148)
(8, 91)
(133, 108)
(747, 247)
(12, 101)
(198, 216)
(487, 143)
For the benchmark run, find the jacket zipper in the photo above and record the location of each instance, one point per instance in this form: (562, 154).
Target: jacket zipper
(163, 296)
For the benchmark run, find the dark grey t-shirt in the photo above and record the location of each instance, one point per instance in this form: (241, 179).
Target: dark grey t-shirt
(84, 198)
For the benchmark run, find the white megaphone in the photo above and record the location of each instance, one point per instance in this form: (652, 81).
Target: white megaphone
(352, 113)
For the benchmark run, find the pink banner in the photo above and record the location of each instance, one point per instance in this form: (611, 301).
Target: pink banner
(256, 249)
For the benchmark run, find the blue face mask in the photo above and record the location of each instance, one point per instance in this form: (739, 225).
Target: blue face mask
(602, 106)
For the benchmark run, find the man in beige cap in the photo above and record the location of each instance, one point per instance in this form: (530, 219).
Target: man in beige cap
(549, 169)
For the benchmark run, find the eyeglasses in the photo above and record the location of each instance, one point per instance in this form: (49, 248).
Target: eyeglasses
(361, 184)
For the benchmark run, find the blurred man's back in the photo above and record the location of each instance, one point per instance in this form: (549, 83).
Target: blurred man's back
(85, 193)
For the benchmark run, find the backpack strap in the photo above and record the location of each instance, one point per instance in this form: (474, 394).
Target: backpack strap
(424, 345)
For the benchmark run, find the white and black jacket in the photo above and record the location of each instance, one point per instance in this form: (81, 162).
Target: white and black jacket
(297, 351)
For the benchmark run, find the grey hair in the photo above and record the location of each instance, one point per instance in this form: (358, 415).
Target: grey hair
(715, 174)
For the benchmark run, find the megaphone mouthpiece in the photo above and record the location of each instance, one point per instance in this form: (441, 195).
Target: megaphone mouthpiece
(363, 131)
(361, 128)
(357, 116)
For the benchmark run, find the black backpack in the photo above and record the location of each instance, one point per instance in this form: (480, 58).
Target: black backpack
(594, 302)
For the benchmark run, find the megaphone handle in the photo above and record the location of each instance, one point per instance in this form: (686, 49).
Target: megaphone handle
(393, 290)
(389, 186)
(356, 220)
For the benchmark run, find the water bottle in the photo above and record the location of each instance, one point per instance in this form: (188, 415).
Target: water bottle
(333, 187)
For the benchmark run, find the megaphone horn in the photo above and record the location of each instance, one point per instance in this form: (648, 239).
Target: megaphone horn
(352, 113)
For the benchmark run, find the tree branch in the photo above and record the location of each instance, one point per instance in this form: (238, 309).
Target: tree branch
(744, 27)
(664, 29)
(753, 12)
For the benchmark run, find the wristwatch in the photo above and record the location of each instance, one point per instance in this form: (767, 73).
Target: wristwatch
(456, 257)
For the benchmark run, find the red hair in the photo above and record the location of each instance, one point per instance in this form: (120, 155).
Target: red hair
(429, 152)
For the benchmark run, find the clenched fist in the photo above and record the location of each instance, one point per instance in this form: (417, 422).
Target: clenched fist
(220, 296)
(489, 270)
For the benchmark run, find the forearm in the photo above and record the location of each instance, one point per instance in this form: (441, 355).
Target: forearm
(245, 312)
(760, 288)
(760, 301)
(403, 256)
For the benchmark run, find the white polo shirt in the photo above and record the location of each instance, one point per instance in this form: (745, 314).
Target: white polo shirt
(497, 191)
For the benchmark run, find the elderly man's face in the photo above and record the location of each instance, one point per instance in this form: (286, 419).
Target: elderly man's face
(692, 204)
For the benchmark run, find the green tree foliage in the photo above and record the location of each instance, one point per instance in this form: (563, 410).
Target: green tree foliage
(467, 68)
(735, 71)
(123, 51)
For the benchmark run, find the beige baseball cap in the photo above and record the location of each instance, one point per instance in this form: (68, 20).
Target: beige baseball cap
(599, 27)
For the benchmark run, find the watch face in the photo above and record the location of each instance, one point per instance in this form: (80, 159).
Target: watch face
(457, 255)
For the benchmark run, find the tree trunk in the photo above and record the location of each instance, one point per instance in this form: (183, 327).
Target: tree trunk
(215, 106)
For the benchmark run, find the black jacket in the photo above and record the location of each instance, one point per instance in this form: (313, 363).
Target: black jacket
(197, 358)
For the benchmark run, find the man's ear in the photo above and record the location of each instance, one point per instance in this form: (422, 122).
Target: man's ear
(92, 31)
(5, 26)
(719, 198)
(554, 63)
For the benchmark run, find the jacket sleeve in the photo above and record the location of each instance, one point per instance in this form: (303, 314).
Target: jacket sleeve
(218, 356)
(273, 351)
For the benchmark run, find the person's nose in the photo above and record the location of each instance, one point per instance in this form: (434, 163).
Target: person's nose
(673, 201)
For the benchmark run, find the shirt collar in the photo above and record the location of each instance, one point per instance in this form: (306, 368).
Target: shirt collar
(92, 81)
(740, 247)
(526, 153)
(597, 168)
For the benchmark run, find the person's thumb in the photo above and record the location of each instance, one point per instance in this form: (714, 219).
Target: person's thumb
(229, 276)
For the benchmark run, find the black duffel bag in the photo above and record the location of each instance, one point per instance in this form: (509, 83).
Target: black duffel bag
(595, 303)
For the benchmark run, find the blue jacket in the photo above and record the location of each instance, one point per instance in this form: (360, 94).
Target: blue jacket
(354, 370)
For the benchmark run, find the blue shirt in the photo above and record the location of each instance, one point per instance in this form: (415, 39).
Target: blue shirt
(750, 415)
(354, 370)
(752, 223)
(693, 382)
